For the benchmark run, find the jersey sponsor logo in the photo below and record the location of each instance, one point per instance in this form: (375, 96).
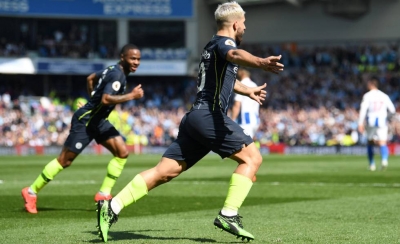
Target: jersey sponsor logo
(116, 85)
(206, 54)
(78, 145)
(104, 73)
(230, 43)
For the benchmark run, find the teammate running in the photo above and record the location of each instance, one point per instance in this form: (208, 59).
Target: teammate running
(90, 122)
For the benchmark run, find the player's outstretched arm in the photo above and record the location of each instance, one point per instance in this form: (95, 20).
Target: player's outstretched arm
(136, 93)
(258, 93)
(244, 58)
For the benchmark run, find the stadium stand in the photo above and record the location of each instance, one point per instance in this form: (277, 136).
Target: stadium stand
(314, 102)
(319, 105)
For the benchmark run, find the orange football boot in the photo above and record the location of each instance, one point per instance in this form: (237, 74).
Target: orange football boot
(30, 201)
(100, 196)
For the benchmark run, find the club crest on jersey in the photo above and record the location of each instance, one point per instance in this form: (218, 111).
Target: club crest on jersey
(78, 145)
(235, 70)
(116, 85)
(230, 43)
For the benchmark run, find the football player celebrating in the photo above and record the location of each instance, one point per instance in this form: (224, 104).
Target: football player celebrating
(90, 122)
(206, 127)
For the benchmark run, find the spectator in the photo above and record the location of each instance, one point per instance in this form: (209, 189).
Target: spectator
(314, 102)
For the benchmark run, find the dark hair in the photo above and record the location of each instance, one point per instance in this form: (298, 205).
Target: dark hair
(127, 47)
(374, 81)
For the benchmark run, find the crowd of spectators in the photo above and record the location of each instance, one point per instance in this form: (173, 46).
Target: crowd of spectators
(315, 101)
(316, 127)
(41, 123)
(62, 39)
(11, 49)
(74, 43)
(330, 76)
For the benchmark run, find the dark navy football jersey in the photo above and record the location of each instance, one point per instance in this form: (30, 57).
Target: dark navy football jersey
(217, 76)
(112, 81)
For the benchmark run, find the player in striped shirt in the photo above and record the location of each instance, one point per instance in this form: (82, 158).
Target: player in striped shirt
(245, 110)
(374, 113)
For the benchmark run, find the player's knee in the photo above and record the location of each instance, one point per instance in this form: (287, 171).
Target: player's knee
(167, 169)
(123, 154)
(65, 163)
(253, 160)
(167, 177)
(66, 157)
(256, 159)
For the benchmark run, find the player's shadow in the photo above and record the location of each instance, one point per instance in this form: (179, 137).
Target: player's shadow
(56, 209)
(64, 209)
(130, 235)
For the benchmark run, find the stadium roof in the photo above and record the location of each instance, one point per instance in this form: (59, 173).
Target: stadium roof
(351, 9)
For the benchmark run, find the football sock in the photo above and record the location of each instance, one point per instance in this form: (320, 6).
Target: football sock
(31, 192)
(370, 151)
(114, 169)
(239, 187)
(131, 193)
(48, 174)
(384, 153)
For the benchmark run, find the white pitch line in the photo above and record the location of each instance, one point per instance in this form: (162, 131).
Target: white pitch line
(55, 182)
(183, 182)
(322, 184)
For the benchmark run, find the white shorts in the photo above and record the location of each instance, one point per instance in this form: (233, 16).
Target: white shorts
(250, 129)
(377, 133)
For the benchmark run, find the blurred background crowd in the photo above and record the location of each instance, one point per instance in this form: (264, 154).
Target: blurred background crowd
(314, 102)
(329, 49)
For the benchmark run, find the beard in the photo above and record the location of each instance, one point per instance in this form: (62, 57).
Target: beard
(239, 38)
(238, 41)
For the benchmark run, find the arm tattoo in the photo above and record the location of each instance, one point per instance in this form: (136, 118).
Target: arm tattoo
(242, 86)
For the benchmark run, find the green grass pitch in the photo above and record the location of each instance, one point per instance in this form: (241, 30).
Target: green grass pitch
(296, 199)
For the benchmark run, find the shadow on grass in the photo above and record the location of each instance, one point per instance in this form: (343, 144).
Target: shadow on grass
(74, 208)
(22, 210)
(66, 209)
(324, 177)
(130, 235)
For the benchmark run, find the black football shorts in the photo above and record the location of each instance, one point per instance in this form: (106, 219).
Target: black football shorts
(202, 131)
(81, 135)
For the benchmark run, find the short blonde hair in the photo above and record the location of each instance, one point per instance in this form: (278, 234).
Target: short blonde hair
(226, 11)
